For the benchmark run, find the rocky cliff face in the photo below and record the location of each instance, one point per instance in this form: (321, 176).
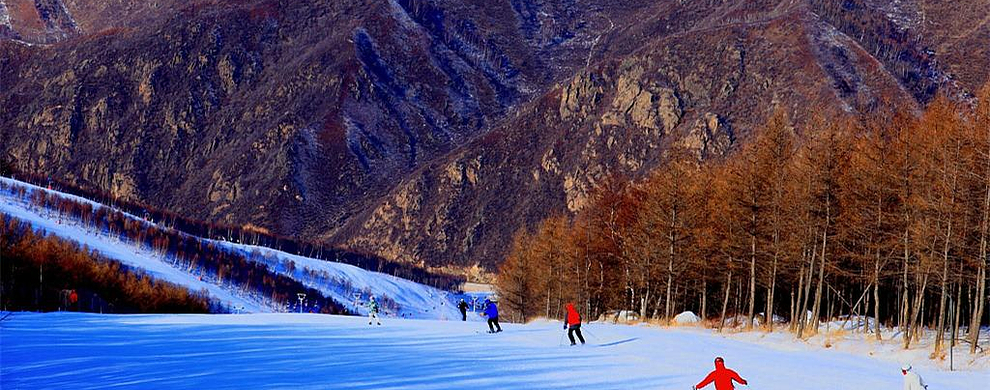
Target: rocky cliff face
(286, 116)
(418, 130)
(701, 92)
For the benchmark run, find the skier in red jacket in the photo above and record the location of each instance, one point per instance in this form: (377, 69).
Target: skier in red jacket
(573, 324)
(722, 377)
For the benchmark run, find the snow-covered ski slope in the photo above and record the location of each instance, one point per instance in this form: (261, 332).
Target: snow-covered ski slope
(132, 256)
(307, 351)
(415, 300)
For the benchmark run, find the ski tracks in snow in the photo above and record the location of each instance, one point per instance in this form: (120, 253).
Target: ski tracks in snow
(86, 351)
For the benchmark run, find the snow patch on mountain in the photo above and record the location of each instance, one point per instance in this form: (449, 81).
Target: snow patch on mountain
(4, 15)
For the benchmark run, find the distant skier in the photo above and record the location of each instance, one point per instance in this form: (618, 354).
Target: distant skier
(912, 381)
(73, 298)
(463, 306)
(491, 311)
(373, 311)
(722, 377)
(572, 323)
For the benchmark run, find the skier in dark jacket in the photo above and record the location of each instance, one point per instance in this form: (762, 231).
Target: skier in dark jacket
(491, 311)
(572, 322)
(463, 306)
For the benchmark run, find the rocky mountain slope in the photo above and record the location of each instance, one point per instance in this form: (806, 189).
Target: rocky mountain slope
(288, 115)
(702, 90)
(431, 130)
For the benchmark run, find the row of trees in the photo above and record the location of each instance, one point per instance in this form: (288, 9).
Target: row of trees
(885, 215)
(191, 253)
(248, 234)
(38, 271)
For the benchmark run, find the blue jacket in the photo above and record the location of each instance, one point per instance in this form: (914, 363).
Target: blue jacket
(491, 310)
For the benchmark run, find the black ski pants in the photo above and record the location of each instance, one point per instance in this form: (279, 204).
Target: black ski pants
(575, 329)
(493, 324)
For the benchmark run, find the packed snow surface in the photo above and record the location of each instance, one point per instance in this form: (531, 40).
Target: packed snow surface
(311, 351)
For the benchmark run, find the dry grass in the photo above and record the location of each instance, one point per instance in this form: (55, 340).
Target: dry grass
(832, 335)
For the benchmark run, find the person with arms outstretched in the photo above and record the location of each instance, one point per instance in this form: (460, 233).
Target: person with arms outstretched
(722, 377)
(572, 323)
(491, 311)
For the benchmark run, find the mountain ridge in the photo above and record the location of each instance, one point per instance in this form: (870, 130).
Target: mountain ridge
(429, 131)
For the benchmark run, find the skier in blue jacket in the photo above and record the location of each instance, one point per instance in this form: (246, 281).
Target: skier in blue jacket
(491, 311)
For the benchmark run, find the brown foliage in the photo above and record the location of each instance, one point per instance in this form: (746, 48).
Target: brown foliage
(194, 254)
(247, 234)
(881, 215)
(38, 269)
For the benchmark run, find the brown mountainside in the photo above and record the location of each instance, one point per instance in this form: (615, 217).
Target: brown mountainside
(289, 115)
(432, 130)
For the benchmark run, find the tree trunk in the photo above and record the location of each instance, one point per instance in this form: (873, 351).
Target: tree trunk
(905, 300)
(793, 310)
(739, 297)
(816, 310)
(876, 301)
(807, 291)
(725, 300)
(797, 316)
(601, 285)
(630, 292)
(549, 282)
(940, 335)
(671, 235)
(977, 318)
(752, 277)
(830, 304)
(919, 330)
(955, 321)
(770, 293)
(981, 273)
(704, 298)
(919, 300)
(644, 302)
(670, 282)
(876, 272)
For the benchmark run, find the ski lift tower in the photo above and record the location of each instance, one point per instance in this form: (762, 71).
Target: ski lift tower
(301, 296)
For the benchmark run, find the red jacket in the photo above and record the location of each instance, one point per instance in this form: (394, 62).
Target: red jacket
(573, 318)
(722, 377)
